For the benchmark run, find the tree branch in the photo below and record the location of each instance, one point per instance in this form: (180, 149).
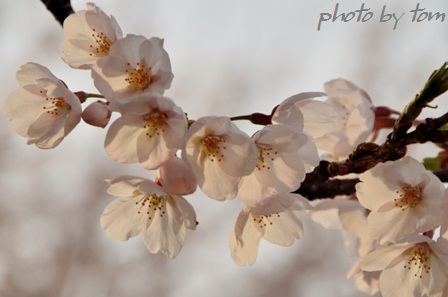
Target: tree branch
(60, 9)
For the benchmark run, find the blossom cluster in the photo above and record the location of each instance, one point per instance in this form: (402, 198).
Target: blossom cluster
(405, 202)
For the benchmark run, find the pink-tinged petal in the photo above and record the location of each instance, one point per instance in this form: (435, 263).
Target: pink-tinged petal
(121, 220)
(216, 183)
(121, 138)
(152, 152)
(123, 186)
(405, 171)
(287, 112)
(166, 233)
(381, 257)
(374, 191)
(176, 177)
(244, 240)
(31, 72)
(283, 228)
(187, 211)
(318, 117)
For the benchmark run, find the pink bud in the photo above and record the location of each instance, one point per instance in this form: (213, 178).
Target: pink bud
(176, 177)
(97, 114)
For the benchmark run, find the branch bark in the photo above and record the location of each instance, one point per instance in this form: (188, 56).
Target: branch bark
(60, 9)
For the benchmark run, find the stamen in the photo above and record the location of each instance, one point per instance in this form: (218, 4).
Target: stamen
(213, 145)
(152, 203)
(155, 123)
(264, 220)
(263, 154)
(102, 44)
(419, 260)
(409, 197)
(57, 104)
(139, 77)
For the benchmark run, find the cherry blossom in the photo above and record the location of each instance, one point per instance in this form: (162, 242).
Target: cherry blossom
(219, 154)
(277, 221)
(305, 113)
(89, 35)
(150, 131)
(43, 110)
(415, 266)
(134, 65)
(285, 155)
(144, 208)
(354, 121)
(403, 197)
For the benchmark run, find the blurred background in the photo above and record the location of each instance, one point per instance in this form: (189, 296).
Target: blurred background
(229, 58)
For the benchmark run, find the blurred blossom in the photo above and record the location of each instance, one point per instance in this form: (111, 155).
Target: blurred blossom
(354, 121)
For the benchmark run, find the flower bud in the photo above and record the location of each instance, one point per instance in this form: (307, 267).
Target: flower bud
(97, 114)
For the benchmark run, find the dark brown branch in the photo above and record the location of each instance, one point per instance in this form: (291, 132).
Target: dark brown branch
(318, 184)
(60, 9)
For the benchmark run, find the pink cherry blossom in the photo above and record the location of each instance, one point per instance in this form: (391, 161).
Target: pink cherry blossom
(354, 121)
(43, 110)
(403, 197)
(145, 208)
(89, 35)
(150, 131)
(285, 155)
(277, 221)
(219, 154)
(176, 177)
(415, 266)
(97, 114)
(133, 66)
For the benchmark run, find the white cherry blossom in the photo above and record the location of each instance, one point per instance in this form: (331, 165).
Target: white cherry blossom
(89, 35)
(415, 266)
(144, 208)
(403, 197)
(133, 66)
(43, 110)
(150, 131)
(354, 121)
(285, 155)
(277, 221)
(219, 154)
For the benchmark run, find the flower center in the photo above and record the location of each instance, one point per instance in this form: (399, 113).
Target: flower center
(139, 77)
(419, 260)
(155, 123)
(152, 203)
(102, 46)
(213, 145)
(265, 154)
(264, 220)
(56, 105)
(409, 197)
